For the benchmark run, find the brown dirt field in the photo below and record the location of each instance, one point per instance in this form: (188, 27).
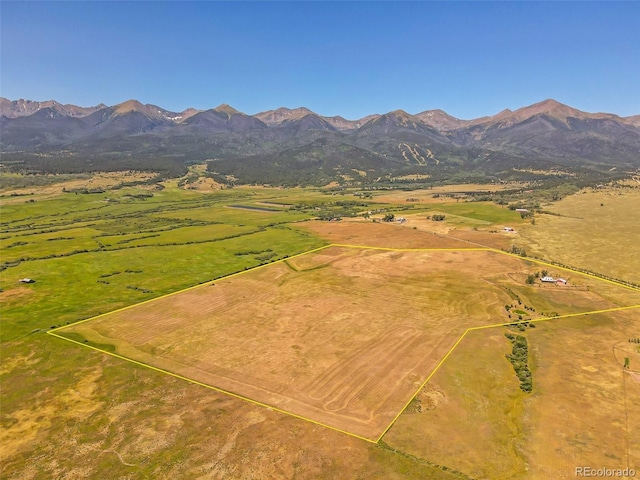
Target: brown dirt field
(500, 240)
(301, 336)
(584, 409)
(392, 235)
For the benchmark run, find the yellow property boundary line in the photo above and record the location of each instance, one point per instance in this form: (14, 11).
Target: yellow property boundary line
(211, 387)
(54, 333)
(539, 319)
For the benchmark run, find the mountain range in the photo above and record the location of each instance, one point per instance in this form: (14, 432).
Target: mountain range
(294, 146)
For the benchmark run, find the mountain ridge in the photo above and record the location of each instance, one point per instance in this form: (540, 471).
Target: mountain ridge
(299, 143)
(22, 107)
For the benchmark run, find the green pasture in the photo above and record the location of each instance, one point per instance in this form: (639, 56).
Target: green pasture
(90, 256)
(483, 211)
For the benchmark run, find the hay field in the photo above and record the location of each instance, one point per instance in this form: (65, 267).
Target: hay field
(595, 229)
(68, 412)
(343, 336)
(362, 232)
(584, 409)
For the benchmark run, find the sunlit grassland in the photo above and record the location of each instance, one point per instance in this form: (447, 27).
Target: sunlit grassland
(595, 229)
(68, 411)
(487, 212)
(473, 418)
(469, 415)
(90, 255)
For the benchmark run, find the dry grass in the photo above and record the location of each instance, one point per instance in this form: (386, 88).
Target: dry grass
(129, 421)
(342, 336)
(70, 412)
(393, 235)
(470, 415)
(584, 409)
(597, 230)
(587, 409)
(302, 336)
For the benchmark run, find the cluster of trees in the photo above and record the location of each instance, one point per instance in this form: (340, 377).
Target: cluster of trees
(532, 277)
(57, 163)
(522, 326)
(84, 190)
(578, 269)
(438, 217)
(519, 358)
(518, 251)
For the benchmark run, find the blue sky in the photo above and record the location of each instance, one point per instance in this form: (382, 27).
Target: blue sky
(338, 58)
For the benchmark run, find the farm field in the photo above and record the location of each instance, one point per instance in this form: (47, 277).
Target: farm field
(584, 408)
(71, 412)
(74, 413)
(341, 336)
(595, 229)
(361, 232)
(439, 194)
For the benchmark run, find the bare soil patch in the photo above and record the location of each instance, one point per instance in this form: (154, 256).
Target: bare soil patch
(367, 233)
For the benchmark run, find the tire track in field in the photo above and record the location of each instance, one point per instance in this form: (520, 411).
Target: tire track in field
(363, 373)
(157, 319)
